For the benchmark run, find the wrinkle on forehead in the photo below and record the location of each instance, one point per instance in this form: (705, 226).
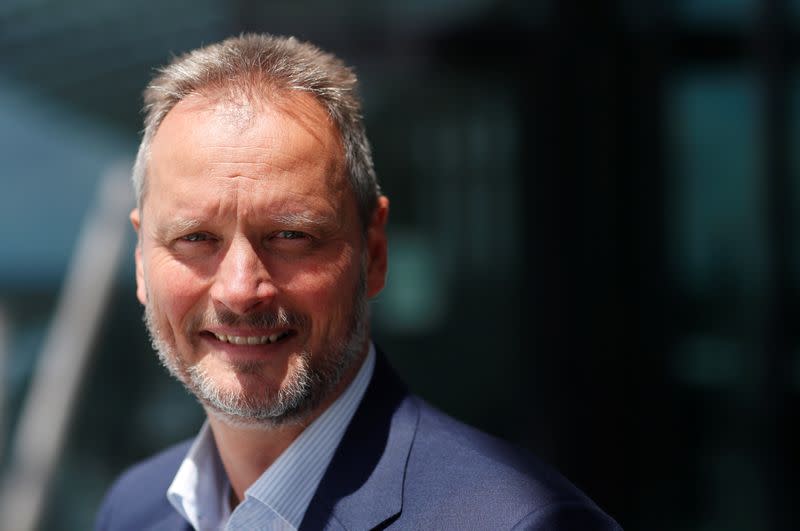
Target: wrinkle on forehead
(241, 112)
(243, 145)
(243, 97)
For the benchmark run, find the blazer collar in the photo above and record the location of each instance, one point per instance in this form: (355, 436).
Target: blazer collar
(363, 486)
(171, 522)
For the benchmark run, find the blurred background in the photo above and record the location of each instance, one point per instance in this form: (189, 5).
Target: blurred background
(594, 237)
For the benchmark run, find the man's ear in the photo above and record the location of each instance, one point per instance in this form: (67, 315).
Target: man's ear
(377, 248)
(141, 292)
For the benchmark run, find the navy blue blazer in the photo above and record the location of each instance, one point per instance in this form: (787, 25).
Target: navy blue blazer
(401, 465)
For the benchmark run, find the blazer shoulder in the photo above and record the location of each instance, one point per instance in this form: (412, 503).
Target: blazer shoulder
(476, 478)
(141, 491)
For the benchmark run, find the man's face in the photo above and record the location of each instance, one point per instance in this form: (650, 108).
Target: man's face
(252, 263)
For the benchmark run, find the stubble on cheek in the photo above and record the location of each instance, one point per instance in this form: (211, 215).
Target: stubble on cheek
(243, 391)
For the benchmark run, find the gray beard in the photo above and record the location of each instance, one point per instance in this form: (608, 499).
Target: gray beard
(314, 377)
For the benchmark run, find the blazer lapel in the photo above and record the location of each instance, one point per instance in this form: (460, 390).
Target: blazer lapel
(363, 486)
(171, 521)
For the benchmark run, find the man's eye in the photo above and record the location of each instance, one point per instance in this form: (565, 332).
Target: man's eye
(291, 235)
(195, 237)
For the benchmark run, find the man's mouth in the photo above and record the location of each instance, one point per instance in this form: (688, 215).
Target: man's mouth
(252, 340)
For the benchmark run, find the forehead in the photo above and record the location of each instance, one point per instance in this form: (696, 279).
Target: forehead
(225, 141)
(244, 117)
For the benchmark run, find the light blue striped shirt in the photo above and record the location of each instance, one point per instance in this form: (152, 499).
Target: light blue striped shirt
(280, 496)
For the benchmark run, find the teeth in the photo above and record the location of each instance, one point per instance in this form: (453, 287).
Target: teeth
(251, 340)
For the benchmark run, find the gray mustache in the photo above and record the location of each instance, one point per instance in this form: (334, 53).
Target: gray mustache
(271, 319)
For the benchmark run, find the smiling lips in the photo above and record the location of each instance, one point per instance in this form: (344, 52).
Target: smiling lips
(252, 340)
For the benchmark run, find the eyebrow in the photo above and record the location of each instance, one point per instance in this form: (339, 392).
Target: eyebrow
(291, 219)
(179, 226)
(303, 219)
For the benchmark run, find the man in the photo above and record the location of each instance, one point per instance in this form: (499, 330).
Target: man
(261, 235)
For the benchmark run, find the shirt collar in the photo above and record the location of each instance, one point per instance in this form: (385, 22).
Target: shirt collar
(200, 502)
(287, 486)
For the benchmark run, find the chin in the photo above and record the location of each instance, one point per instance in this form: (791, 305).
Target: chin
(243, 395)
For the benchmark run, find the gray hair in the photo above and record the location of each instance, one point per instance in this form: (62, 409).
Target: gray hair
(261, 60)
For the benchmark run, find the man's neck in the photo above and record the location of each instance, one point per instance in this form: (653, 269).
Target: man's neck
(247, 452)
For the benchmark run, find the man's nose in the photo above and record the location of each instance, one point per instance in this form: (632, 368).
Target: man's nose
(242, 282)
